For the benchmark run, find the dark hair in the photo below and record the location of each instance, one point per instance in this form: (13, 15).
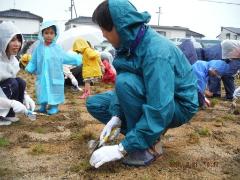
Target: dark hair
(19, 37)
(102, 16)
(53, 27)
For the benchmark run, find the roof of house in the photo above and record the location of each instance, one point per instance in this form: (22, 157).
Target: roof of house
(15, 13)
(169, 27)
(80, 20)
(188, 31)
(194, 34)
(232, 29)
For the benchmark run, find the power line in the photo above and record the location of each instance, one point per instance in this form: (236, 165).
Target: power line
(221, 2)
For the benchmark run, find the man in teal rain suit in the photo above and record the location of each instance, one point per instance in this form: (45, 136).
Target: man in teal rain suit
(155, 87)
(47, 62)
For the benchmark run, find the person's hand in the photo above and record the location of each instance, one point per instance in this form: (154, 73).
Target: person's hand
(18, 107)
(105, 154)
(29, 103)
(74, 82)
(114, 122)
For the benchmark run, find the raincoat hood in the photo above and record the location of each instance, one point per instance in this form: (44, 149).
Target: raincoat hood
(81, 46)
(220, 66)
(45, 25)
(7, 31)
(127, 20)
(106, 55)
(230, 49)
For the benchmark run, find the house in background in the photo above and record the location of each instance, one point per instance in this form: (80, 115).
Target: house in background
(229, 33)
(28, 23)
(167, 31)
(81, 20)
(172, 32)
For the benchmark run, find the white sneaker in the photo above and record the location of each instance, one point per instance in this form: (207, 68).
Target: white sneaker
(4, 121)
(12, 119)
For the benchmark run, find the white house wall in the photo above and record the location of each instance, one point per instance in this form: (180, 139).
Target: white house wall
(232, 35)
(26, 26)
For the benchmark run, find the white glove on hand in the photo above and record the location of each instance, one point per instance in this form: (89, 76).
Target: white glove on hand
(29, 103)
(114, 122)
(18, 107)
(74, 82)
(105, 154)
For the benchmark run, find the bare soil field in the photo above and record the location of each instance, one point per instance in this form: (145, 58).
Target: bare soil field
(55, 147)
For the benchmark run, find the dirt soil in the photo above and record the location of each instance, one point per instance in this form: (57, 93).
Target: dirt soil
(55, 147)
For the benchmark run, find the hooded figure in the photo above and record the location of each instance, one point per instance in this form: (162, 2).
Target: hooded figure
(9, 67)
(206, 69)
(230, 49)
(155, 88)
(47, 63)
(91, 69)
(109, 72)
(91, 59)
(12, 87)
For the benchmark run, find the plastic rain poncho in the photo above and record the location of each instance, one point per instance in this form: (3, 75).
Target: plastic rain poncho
(156, 74)
(47, 63)
(230, 49)
(9, 67)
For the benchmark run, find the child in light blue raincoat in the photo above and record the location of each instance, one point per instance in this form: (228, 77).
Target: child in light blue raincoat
(47, 63)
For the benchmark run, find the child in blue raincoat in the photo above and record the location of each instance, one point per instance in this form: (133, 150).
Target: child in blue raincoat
(47, 63)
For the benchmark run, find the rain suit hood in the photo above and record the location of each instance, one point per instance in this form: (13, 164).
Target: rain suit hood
(45, 25)
(91, 59)
(127, 20)
(7, 31)
(220, 66)
(230, 49)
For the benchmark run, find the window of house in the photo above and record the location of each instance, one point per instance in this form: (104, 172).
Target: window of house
(228, 36)
(236, 37)
(162, 33)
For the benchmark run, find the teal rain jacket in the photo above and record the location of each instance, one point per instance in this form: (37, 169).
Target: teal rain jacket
(47, 62)
(170, 85)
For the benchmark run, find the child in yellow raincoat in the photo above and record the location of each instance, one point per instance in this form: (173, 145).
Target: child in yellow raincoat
(91, 70)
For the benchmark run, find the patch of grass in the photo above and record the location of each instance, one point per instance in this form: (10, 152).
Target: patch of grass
(38, 149)
(4, 142)
(4, 172)
(82, 136)
(229, 117)
(203, 132)
(194, 138)
(82, 166)
(214, 102)
(40, 130)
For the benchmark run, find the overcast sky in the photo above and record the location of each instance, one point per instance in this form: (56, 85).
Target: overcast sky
(201, 16)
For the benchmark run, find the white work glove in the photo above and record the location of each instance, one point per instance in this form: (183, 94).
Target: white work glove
(74, 82)
(29, 103)
(114, 122)
(18, 107)
(105, 154)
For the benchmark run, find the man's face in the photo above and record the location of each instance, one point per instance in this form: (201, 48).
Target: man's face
(13, 46)
(48, 35)
(112, 37)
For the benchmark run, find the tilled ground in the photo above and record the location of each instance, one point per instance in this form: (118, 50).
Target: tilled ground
(55, 147)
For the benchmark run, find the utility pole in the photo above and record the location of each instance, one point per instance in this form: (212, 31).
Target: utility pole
(14, 4)
(71, 9)
(159, 12)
